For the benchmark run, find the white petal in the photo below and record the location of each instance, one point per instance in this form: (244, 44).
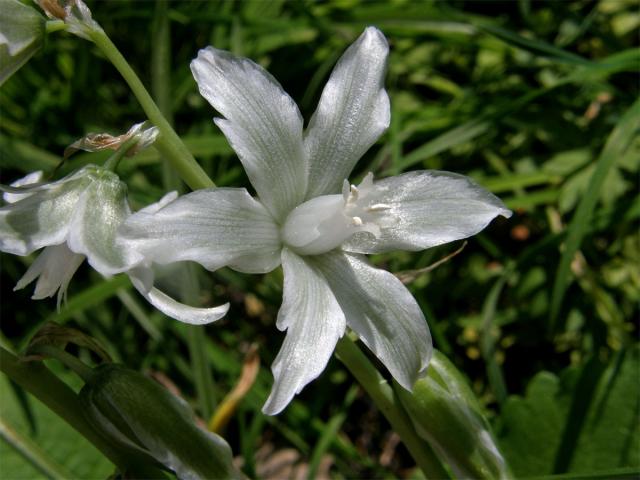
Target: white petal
(262, 123)
(20, 27)
(165, 200)
(13, 196)
(427, 208)
(42, 218)
(53, 268)
(169, 306)
(382, 312)
(215, 227)
(92, 232)
(314, 323)
(353, 112)
(22, 31)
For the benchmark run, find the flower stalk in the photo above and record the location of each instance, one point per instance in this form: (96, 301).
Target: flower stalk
(114, 160)
(55, 26)
(383, 396)
(168, 142)
(36, 379)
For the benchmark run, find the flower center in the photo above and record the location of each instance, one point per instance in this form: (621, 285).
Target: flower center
(324, 223)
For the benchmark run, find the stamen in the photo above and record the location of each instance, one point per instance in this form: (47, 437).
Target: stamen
(378, 207)
(354, 194)
(357, 221)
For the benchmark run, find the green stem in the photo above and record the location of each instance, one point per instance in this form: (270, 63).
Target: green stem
(55, 26)
(161, 60)
(383, 396)
(36, 379)
(161, 80)
(190, 286)
(168, 142)
(113, 161)
(197, 344)
(68, 360)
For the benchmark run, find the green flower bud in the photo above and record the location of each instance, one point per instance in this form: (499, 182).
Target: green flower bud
(22, 31)
(446, 413)
(143, 418)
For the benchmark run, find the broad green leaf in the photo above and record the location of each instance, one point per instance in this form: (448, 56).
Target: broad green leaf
(611, 433)
(546, 430)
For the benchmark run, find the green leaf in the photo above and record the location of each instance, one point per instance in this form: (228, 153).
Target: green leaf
(532, 45)
(62, 444)
(532, 431)
(616, 145)
(611, 434)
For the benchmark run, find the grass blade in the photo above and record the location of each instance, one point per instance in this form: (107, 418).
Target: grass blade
(532, 45)
(32, 453)
(618, 141)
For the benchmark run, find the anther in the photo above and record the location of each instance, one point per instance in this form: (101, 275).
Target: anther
(357, 221)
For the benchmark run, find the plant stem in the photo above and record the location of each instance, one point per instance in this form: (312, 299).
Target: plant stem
(189, 284)
(36, 379)
(113, 161)
(68, 360)
(197, 344)
(383, 396)
(55, 26)
(168, 142)
(161, 78)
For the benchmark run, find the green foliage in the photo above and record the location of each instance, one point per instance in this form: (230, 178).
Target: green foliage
(63, 445)
(584, 421)
(522, 96)
(141, 415)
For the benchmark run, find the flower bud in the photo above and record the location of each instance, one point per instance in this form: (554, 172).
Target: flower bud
(22, 31)
(74, 13)
(446, 413)
(140, 416)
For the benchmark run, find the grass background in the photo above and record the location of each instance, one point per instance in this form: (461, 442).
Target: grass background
(537, 101)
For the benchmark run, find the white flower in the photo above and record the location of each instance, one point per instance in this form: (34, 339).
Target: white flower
(301, 219)
(76, 218)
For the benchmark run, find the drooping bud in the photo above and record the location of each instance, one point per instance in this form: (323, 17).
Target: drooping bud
(95, 142)
(22, 31)
(142, 417)
(74, 218)
(446, 413)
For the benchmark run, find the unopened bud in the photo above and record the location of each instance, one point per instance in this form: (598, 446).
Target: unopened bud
(141, 416)
(94, 142)
(446, 413)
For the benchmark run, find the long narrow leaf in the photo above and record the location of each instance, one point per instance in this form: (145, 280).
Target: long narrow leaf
(618, 141)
